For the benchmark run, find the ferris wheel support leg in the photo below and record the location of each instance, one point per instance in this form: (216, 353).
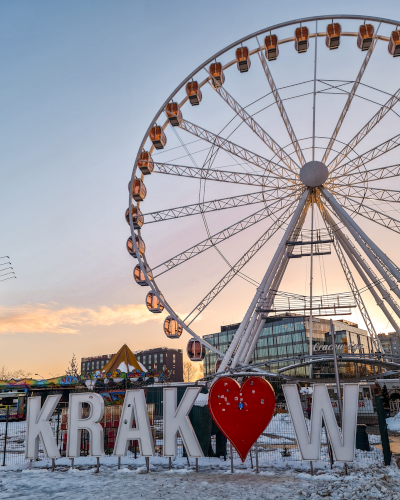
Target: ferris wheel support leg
(266, 301)
(367, 274)
(353, 227)
(367, 283)
(353, 287)
(256, 317)
(236, 339)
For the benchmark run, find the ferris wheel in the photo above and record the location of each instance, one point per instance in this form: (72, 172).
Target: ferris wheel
(299, 118)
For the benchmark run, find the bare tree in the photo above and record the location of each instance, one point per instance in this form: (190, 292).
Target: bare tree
(189, 371)
(73, 369)
(6, 374)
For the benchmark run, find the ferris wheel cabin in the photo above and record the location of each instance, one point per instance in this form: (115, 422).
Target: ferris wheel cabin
(195, 350)
(394, 43)
(301, 39)
(139, 190)
(153, 303)
(140, 276)
(137, 217)
(172, 328)
(194, 93)
(365, 36)
(332, 39)
(157, 137)
(174, 114)
(139, 243)
(271, 47)
(217, 73)
(146, 163)
(243, 59)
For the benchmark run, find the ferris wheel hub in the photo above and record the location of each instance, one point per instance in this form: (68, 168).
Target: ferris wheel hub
(313, 173)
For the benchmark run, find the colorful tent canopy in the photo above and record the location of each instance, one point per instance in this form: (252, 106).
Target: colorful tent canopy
(64, 380)
(124, 360)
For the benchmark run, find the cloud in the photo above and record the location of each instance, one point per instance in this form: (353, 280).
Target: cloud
(41, 318)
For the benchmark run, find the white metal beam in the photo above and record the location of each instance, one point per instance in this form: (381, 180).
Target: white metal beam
(349, 100)
(281, 107)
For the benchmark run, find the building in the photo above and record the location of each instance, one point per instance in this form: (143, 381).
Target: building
(287, 336)
(390, 342)
(161, 357)
(94, 363)
(158, 358)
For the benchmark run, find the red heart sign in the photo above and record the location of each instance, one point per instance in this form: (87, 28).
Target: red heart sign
(242, 412)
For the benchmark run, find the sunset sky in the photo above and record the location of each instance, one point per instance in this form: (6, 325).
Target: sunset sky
(81, 82)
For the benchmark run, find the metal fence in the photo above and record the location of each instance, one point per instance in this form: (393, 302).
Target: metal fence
(276, 443)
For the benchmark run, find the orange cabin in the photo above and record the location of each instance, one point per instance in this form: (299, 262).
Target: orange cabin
(174, 114)
(217, 73)
(153, 303)
(301, 39)
(243, 59)
(194, 93)
(365, 36)
(140, 276)
(172, 328)
(271, 47)
(394, 43)
(139, 243)
(139, 190)
(333, 32)
(146, 163)
(196, 351)
(137, 217)
(157, 137)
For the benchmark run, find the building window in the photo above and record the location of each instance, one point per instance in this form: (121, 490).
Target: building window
(144, 360)
(155, 360)
(92, 365)
(161, 358)
(88, 366)
(97, 364)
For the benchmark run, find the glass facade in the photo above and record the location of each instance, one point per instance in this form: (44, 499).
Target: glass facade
(288, 336)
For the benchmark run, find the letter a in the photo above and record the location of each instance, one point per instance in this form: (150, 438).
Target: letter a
(38, 427)
(343, 444)
(134, 408)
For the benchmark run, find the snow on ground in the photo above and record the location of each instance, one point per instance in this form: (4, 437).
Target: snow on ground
(393, 423)
(214, 481)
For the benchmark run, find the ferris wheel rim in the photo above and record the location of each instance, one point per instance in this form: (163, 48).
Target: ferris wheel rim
(142, 259)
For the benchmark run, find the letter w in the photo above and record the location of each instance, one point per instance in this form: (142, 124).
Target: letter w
(343, 443)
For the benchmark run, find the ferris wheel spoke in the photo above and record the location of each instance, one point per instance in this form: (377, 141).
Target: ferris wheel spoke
(256, 128)
(232, 148)
(214, 205)
(220, 175)
(223, 235)
(350, 98)
(349, 167)
(375, 174)
(367, 193)
(394, 99)
(370, 213)
(235, 269)
(281, 107)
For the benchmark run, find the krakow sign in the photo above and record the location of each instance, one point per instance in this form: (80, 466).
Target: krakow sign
(176, 420)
